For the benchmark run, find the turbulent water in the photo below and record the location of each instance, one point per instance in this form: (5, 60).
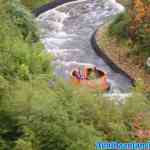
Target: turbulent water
(66, 32)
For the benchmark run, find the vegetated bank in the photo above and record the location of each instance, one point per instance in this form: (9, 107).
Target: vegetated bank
(48, 6)
(126, 40)
(106, 57)
(35, 115)
(34, 4)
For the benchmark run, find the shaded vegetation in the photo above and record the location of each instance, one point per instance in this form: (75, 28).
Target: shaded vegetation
(134, 25)
(37, 116)
(20, 58)
(119, 27)
(33, 4)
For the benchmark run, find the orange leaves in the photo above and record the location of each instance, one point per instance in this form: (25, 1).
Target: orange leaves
(138, 12)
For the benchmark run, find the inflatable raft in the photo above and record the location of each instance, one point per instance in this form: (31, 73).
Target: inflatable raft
(91, 77)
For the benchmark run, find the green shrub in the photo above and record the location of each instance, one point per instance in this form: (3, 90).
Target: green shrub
(35, 116)
(65, 118)
(23, 61)
(119, 26)
(33, 4)
(19, 58)
(23, 20)
(143, 38)
(140, 38)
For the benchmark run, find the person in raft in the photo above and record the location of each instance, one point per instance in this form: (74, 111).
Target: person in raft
(78, 75)
(93, 74)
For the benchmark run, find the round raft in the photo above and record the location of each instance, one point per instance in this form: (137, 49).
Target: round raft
(91, 77)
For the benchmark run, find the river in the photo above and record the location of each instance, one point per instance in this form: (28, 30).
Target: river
(66, 31)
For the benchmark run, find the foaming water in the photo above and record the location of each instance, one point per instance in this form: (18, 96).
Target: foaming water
(66, 32)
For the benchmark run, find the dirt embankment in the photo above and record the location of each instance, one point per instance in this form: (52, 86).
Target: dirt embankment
(119, 54)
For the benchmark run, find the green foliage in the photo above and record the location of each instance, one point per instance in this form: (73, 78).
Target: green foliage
(45, 120)
(4, 87)
(36, 116)
(22, 60)
(33, 4)
(63, 117)
(119, 26)
(19, 58)
(23, 145)
(141, 38)
(23, 20)
(147, 1)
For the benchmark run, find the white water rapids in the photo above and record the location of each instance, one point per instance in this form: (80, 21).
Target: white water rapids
(66, 32)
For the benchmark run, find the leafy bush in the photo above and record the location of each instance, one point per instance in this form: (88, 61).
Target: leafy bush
(22, 60)
(19, 58)
(47, 119)
(23, 20)
(119, 26)
(143, 38)
(33, 4)
(65, 118)
(36, 116)
(134, 27)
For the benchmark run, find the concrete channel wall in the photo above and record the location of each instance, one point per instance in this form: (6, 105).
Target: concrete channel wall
(100, 52)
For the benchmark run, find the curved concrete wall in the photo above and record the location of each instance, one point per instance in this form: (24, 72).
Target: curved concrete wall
(107, 59)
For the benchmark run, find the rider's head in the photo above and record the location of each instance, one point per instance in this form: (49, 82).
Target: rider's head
(74, 73)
